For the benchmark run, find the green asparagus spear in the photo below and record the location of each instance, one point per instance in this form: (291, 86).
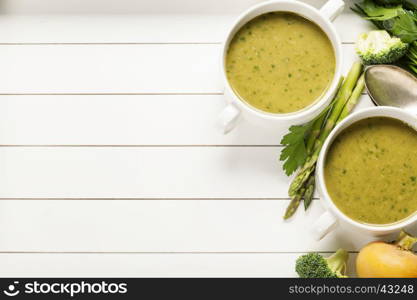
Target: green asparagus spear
(315, 131)
(310, 187)
(318, 123)
(340, 102)
(303, 184)
(295, 202)
(343, 97)
(306, 193)
(360, 85)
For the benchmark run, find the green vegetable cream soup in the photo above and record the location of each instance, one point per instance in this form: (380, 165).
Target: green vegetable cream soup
(371, 171)
(280, 62)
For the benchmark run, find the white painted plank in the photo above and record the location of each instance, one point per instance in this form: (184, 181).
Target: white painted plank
(118, 120)
(110, 69)
(116, 68)
(138, 28)
(125, 120)
(163, 226)
(152, 265)
(33, 24)
(349, 25)
(114, 28)
(124, 6)
(155, 172)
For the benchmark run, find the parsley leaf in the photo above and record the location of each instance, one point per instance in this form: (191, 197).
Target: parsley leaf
(295, 151)
(377, 12)
(404, 26)
(409, 4)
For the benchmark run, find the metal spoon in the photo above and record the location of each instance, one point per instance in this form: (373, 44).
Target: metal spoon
(390, 85)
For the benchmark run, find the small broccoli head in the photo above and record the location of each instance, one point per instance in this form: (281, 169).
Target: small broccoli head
(313, 265)
(378, 47)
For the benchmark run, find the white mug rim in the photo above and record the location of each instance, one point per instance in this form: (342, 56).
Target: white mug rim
(333, 38)
(325, 197)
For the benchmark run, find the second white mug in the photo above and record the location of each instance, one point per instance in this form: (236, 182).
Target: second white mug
(333, 217)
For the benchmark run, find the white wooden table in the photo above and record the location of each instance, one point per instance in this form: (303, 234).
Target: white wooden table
(110, 161)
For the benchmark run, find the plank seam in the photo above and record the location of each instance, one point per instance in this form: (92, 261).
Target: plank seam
(144, 199)
(122, 94)
(117, 43)
(168, 252)
(116, 94)
(133, 146)
(107, 43)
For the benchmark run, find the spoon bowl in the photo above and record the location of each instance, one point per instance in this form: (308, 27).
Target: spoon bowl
(390, 85)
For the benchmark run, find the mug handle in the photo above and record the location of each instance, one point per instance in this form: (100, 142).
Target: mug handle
(332, 9)
(324, 225)
(228, 118)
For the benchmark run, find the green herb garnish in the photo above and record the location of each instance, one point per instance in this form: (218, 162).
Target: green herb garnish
(294, 152)
(404, 26)
(377, 12)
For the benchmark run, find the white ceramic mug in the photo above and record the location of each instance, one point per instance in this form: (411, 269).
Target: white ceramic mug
(333, 216)
(237, 108)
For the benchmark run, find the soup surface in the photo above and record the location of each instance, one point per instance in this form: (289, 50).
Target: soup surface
(371, 171)
(280, 62)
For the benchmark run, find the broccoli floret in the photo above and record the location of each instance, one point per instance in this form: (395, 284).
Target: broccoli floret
(378, 47)
(313, 265)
